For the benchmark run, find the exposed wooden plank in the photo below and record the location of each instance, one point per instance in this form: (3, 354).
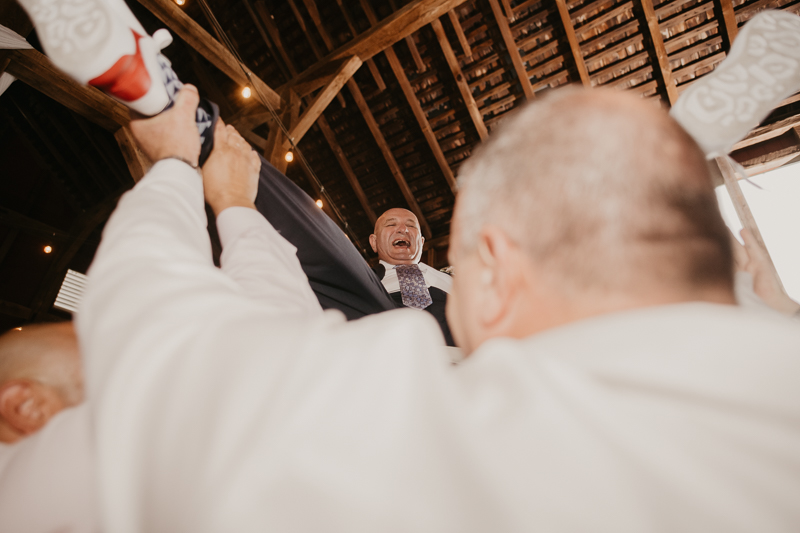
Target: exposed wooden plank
(410, 42)
(15, 310)
(346, 168)
(138, 163)
(274, 151)
(372, 124)
(321, 122)
(460, 33)
(657, 40)
(269, 25)
(199, 39)
(373, 68)
(574, 45)
(729, 27)
(34, 69)
(264, 37)
(463, 86)
(16, 220)
(392, 29)
(422, 119)
(325, 96)
(209, 86)
(513, 50)
(743, 210)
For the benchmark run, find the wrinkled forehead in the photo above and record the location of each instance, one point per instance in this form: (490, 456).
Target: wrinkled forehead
(394, 216)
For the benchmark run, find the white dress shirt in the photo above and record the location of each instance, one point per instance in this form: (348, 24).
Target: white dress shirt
(217, 411)
(433, 278)
(47, 480)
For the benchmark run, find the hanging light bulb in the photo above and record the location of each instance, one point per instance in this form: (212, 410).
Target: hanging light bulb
(180, 2)
(48, 249)
(319, 203)
(246, 92)
(289, 156)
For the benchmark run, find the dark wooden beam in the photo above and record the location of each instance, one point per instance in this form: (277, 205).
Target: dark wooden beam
(274, 152)
(394, 168)
(199, 39)
(138, 163)
(396, 27)
(728, 28)
(574, 45)
(466, 93)
(422, 119)
(322, 123)
(15, 310)
(34, 69)
(413, 102)
(648, 15)
(462, 39)
(321, 101)
(513, 50)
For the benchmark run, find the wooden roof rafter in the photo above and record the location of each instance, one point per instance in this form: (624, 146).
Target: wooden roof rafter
(383, 146)
(196, 37)
(729, 29)
(574, 45)
(416, 107)
(650, 26)
(463, 87)
(511, 47)
(394, 28)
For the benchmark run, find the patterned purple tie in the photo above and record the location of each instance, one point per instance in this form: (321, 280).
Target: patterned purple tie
(412, 287)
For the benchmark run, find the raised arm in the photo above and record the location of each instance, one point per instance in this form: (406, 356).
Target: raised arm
(254, 254)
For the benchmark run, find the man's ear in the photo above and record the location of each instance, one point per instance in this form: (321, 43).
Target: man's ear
(26, 406)
(499, 277)
(373, 241)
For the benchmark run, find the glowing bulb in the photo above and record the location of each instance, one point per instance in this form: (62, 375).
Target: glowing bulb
(48, 249)
(246, 92)
(180, 2)
(18, 329)
(289, 157)
(319, 204)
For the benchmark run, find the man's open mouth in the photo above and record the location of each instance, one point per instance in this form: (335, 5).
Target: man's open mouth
(402, 243)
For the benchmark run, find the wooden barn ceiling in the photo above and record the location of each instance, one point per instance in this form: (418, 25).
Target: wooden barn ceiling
(384, 98)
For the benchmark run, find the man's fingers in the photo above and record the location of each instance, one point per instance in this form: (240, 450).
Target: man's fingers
(187, 100)
(220, 133)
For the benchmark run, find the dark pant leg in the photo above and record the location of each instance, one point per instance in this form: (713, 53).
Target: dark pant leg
(338, 274)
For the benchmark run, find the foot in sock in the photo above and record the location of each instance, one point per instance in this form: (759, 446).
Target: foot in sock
(101, 43)
(761, 70)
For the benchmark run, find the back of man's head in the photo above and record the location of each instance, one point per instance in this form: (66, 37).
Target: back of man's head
(40, 374)
(604, 188)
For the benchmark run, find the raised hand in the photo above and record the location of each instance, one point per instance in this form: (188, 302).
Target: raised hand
(230, 176)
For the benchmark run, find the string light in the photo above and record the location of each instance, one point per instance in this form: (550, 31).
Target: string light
(180, 2)
(246, 92)
(48, 249)
(319, 204)
(289, 156)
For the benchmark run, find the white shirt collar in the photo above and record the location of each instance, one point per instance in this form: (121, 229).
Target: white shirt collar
(422, 266)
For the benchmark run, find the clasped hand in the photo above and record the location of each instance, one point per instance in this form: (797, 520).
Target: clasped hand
(230, 175)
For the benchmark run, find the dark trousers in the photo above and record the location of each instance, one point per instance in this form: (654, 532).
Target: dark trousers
(338, 274)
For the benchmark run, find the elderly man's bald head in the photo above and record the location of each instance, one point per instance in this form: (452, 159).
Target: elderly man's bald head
(605, 187)
(40, 374)
(585, 202)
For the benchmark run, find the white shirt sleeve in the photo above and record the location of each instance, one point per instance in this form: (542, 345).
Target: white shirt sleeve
(263, 263)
